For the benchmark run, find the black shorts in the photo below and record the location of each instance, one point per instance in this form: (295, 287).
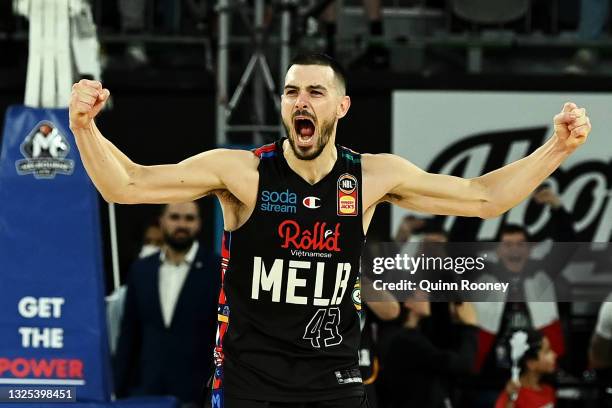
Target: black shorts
(352, 402)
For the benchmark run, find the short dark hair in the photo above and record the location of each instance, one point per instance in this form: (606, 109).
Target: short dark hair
(323, 60)
(513, 229)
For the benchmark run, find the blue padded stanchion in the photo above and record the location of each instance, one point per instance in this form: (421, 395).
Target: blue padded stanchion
(52, 320)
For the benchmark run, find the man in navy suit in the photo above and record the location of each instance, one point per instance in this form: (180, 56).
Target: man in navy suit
(169, 322)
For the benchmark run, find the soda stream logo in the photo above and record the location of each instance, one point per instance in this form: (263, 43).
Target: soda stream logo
(280, 202)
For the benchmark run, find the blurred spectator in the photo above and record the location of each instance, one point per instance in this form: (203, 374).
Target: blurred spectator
(593, 17)
(114, 314)
(152, 241)
(376, 55)
(600, 351)
(369, 364)
(440, 327)
(416, 372)
(530, 392)
(534, 287)
(419, 230)
(423, 236)
(169, 322)
(373, 314)
(410, 225)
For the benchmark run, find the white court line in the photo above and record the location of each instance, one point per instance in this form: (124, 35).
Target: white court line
(35, 381)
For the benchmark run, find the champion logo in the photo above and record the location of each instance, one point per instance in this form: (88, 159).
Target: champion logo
(311, 202)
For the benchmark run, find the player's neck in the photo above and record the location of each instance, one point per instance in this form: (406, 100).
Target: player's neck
(312, 170)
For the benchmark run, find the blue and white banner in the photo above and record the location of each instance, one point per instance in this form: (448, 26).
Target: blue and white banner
(52, 321)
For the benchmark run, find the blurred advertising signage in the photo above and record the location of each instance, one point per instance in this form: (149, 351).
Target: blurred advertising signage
(50, 370)
(469, 133)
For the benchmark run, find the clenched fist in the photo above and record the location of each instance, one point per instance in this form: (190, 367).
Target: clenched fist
(572, 126)
(86, 101)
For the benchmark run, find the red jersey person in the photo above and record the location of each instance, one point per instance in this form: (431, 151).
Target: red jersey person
(537, 361)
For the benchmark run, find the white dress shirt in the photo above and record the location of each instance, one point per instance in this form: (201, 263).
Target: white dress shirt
(171, 280)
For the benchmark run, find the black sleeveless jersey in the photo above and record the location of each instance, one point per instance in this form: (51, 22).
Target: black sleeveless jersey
(289, 307)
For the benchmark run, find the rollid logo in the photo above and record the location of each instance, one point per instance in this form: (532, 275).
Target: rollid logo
(320, 238)
(279, 202)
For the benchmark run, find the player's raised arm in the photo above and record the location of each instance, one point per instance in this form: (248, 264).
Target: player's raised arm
(486, 196)
(121, 180)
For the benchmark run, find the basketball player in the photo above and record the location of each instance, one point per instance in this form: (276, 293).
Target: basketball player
(295, 214)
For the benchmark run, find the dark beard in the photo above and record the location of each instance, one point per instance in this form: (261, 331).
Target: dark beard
(179, 244)
(325, 134)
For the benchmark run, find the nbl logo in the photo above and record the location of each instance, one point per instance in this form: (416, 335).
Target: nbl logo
(347, 183)
(347, 195)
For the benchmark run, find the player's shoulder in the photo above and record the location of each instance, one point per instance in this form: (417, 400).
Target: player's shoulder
(375, 162)
(375, 157)
(235, 158)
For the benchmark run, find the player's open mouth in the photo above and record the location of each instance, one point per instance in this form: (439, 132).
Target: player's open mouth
(304, 129)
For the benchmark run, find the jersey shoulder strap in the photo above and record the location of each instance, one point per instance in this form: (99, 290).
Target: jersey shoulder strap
(351, 160)
(266, 151)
